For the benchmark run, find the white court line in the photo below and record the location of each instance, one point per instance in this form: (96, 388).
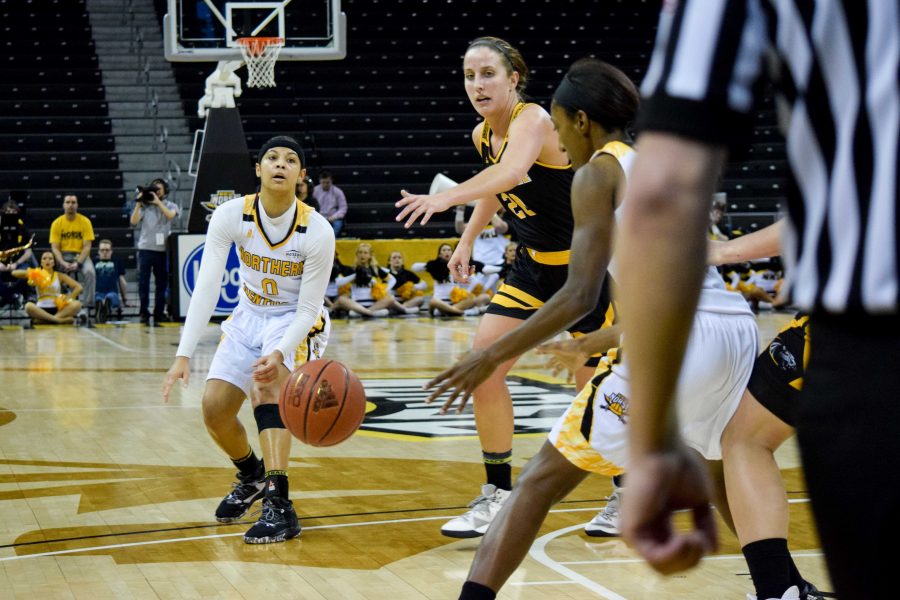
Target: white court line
(108, 341)
(628, 561)
(224, 535)
(207, 537)
(161, 405)
(539, 553)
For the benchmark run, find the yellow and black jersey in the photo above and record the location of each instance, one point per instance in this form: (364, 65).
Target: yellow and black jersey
(541, 203)
(777, 376)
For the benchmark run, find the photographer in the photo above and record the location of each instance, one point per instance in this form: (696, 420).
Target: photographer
(154, 214)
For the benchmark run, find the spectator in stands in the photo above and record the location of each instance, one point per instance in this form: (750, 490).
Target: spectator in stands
(449, 298)
(111, 286)
(370, 288)
(332, 202)
(13, 235)
(70, 240)
(370, 292)
(52, 305)
(716, 214)
(304, 186)
(408, 287)
(490, 244)
(154, 213)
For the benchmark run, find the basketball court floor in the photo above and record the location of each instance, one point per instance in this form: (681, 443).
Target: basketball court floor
(107, 492)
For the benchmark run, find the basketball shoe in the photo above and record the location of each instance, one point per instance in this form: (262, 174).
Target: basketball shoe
(792, 593)
(278, 522)
(475, 522)
(809, 592)
(606, 523)
(247, 490)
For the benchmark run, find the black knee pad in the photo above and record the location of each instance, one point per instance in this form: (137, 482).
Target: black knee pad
(267, 417)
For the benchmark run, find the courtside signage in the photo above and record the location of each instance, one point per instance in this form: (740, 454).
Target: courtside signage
(190, 253)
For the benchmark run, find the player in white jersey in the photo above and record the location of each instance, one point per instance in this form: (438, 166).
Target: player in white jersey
(591, 435)
(286, 251)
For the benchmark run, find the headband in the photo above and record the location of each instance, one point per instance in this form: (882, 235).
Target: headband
(281, 141)
(569, 95)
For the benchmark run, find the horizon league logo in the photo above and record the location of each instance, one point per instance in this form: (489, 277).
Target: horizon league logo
(231, 279)
(400, 408)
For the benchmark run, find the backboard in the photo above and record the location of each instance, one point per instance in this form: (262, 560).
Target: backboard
(206, 30)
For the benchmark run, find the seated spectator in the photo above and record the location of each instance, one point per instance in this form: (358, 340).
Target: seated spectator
(52, 305)
(303, 192)
(71, 235)
(509, 257)
(370, 288)
(338, 269)
(111, 286)
(491, 242)
(449, 298)
(741, 278)
(15, 253)
(716, 214)
(408, 287)
(331, 200)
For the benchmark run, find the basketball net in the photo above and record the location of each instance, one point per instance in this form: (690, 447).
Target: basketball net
(260, 54)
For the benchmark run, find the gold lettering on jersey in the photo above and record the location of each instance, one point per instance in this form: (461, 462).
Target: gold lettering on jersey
(269, 265)
(259, 299)
(516, 206)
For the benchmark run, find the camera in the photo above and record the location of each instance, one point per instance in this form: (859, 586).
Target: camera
(145, 194)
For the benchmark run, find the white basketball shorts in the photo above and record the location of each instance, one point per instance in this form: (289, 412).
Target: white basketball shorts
(248, 335)
(592, 433)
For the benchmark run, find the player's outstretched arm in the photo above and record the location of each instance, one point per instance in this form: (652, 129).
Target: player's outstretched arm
(760, 244)
(527, 135)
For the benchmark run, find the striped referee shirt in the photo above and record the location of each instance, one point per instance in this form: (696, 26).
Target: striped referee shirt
(834, 66)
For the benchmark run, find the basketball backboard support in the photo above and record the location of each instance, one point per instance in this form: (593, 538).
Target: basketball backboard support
(207, 30)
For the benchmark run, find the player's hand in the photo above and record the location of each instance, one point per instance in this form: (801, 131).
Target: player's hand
(460, 270)
(461, 379)
(659, 484)
(265, 369)
(419, 207)
(180, 369)
(564, 355)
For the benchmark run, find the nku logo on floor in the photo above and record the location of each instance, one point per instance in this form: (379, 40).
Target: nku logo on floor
(400, 409)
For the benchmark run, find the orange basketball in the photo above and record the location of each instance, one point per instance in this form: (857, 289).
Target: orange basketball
(322, 403)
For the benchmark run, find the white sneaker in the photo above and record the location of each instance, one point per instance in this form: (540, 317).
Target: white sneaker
(471, 312)
(412, 310)
(475, 522)
(792, 593)
(381, 312)
(606, 523)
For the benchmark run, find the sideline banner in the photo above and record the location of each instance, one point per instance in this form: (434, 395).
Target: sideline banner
(185, 252)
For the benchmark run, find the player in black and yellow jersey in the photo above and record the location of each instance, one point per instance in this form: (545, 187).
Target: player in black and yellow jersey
(527, 172)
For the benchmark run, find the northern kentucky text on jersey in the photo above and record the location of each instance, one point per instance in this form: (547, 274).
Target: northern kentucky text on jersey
(269, 265)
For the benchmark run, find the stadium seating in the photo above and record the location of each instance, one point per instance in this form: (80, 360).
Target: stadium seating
(55, 131)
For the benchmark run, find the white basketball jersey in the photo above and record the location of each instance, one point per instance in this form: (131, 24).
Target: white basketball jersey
(271, 270)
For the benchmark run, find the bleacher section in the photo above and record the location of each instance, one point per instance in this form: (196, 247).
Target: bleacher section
(389, 117)
(55, 131)
(394, 112)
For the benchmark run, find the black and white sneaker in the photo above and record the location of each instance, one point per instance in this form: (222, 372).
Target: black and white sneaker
(245, 492)
(278, 522)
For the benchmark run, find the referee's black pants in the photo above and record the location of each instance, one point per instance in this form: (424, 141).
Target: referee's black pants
(848, 428)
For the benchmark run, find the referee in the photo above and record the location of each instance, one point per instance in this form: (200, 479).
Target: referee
(834, 68)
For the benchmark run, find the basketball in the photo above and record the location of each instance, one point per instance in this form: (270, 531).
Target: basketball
(322, 403)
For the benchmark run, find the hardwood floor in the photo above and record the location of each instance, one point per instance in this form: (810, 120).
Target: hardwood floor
(107, 492)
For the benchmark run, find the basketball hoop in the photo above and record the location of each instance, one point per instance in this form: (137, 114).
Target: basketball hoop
(260, 55)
